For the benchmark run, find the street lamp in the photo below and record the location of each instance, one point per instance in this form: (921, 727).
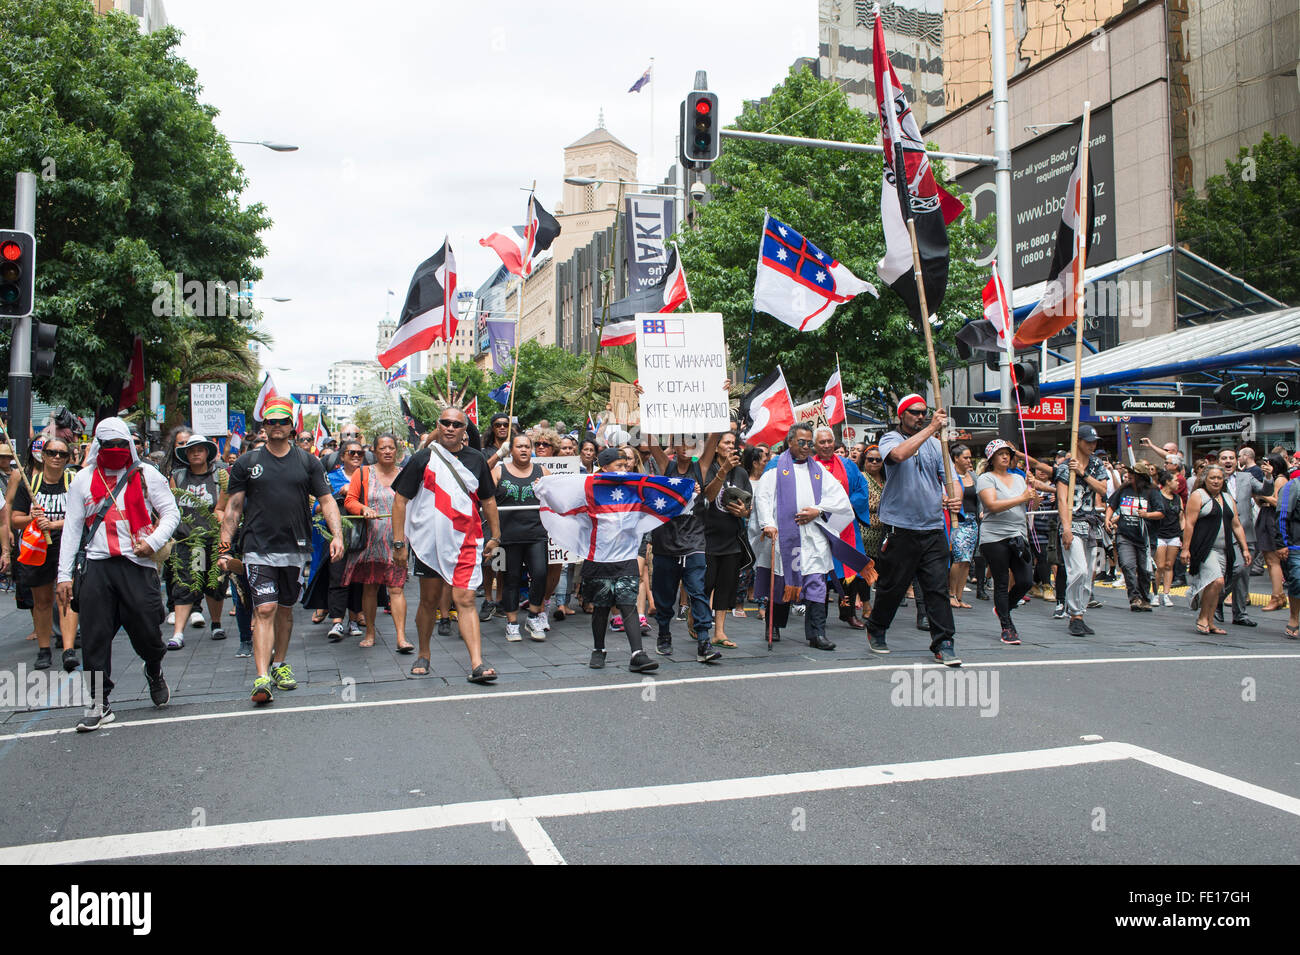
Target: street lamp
(585, 181)
(276, 147)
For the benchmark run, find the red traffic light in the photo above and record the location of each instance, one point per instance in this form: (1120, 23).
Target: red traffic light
(702, 106)
(11, 251)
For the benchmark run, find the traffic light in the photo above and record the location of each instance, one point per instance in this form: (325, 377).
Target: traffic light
(1025, 376)
(43, 348)
(17, 272)
(699, 132)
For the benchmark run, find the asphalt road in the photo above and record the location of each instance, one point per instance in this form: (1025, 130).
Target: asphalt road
(1144, 744)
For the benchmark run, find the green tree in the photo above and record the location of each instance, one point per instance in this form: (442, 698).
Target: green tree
(1248, 221)
(135, 187)
(537, 396)
(833, 198)
(200, 356)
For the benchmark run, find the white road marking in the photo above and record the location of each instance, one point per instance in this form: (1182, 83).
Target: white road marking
(485, 697)
(536, 842)
(533, 808)
(523, 814)
(1229, 784)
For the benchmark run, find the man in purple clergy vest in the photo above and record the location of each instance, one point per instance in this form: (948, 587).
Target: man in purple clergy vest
(802, 508)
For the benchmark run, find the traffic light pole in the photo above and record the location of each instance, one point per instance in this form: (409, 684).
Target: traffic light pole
(20, 340)
(1007, 416)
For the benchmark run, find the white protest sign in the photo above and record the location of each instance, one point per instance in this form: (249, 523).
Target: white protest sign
(682, 364)
(208, 408)
(559, 465)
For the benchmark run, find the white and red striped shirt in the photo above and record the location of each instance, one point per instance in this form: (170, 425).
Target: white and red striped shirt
(113, 537)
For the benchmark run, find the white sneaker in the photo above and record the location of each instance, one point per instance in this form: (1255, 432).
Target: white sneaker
(512, 632)
(171, 618)
(196, 619)
(536, 628)
(1169, 601)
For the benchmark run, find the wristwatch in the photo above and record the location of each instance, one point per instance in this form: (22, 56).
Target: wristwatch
(399, 545)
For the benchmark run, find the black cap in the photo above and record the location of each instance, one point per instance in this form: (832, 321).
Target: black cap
(1087, 433)
(608, 457)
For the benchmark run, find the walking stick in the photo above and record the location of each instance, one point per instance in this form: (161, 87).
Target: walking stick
(771, 596)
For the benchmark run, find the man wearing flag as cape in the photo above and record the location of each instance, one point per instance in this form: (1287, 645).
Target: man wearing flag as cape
(439, 501)
(802, 510)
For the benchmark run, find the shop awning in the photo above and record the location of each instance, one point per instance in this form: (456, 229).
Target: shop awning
(1271, 338)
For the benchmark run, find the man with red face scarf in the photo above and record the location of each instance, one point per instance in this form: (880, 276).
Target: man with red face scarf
(133, 514)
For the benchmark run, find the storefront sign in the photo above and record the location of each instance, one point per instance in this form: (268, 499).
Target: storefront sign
(1049, 409)
(1260, 395)
(1158, 406)
(1209, 427)
(974, 416)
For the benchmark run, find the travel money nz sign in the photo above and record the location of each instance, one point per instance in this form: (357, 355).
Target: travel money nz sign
(1153, 405)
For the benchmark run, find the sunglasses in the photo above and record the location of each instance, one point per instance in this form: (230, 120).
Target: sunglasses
(354, 454)
(920, 413)
(278, 422)
(114, 445)
(543, 444)
(447, 423)
(803, 442)
(55, 454)
(873, 460)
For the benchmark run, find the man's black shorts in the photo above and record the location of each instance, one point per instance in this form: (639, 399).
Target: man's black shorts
(274, 585)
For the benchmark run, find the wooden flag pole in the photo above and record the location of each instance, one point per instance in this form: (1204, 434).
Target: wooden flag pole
(949, 479)
(22, 473)
(1081, 263)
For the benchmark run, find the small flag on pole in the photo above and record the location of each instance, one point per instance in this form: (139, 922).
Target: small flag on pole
(644, 79)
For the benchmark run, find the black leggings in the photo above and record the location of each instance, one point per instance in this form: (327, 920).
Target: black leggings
(1004, 559)
(600, 620)
(532, 554)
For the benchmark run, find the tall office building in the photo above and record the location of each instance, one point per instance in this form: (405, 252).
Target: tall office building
(150, 13)
(914, 33)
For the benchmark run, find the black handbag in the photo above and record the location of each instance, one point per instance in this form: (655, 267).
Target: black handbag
(87, 535)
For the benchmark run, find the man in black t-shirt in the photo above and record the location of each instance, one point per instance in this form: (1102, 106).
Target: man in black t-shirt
(272, 489)
(679, 554)
(439, 501)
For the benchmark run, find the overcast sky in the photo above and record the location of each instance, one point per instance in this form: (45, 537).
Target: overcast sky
(418, 120)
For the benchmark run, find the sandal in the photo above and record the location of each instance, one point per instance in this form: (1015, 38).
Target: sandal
(406, 648)
(421, 667)
(1207, 631)
(1276, 603)
(1291, 633)
(724, 642)
(318, 617)
(483, 674)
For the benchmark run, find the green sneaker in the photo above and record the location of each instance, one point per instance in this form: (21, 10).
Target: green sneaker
(262, 690)
(283, 677)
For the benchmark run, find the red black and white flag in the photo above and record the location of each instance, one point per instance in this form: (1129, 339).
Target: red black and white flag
(769, 409)
(666, 295)
(429, 313)
(988, 334)
(540, 230)
(133, 384)
(266, 393)
(1056, 310)
(443, 524)
(909, 191)
(833, 400)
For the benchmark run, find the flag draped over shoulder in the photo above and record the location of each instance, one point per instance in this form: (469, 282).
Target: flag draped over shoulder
(429, 313)
(797, 283)
(602, 516)
(929, 205)
(133, 384)
(540, 230)
(1055, 311)
(768, 408)
(443, 524)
